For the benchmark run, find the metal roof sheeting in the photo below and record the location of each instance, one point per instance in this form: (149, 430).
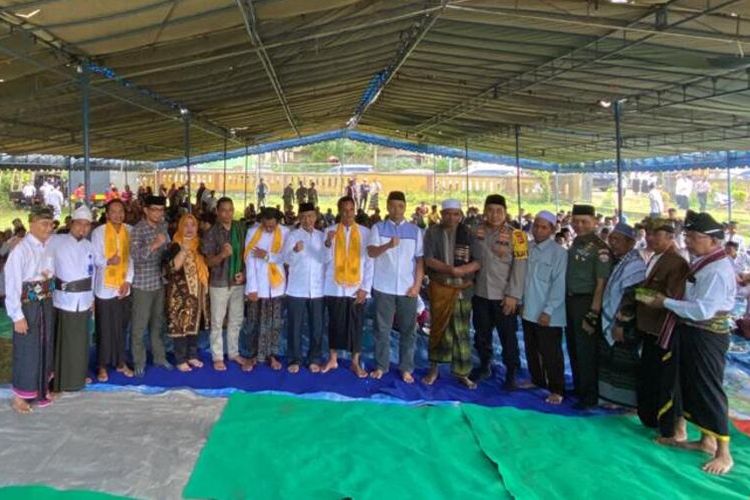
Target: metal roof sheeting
(457, 71)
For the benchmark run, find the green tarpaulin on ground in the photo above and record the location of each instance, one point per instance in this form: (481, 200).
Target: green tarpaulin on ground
(283, 447)
(542, 456)
(280, 447)
(46, 493)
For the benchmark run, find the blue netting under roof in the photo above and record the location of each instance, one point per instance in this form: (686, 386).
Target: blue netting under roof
(684, 161)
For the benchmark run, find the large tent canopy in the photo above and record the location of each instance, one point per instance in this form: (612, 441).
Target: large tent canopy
(452, 72)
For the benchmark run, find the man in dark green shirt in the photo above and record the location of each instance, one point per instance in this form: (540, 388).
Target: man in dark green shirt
(589, 264)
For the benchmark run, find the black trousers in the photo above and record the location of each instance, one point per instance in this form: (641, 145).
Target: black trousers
(487, 315)
(185, 348)
(659, 403)
(583, 349)
(544, 356)
(345, 322)
(702, 361)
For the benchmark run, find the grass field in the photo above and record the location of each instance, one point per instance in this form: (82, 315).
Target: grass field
(636, 207)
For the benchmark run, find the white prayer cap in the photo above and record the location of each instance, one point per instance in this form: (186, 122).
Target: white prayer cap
(83, 213)
(451, 203)
(548, 216)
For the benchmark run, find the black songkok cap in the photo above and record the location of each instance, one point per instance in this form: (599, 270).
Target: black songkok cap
(495, 199)
(270, 213)
(703, 223)
(306, 207)
(584, 210)
(397, 195)
(40, 212)
(659, 224)
(152, 200)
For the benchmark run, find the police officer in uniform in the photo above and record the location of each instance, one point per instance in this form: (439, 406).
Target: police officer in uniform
(589, 265)
(502, 253)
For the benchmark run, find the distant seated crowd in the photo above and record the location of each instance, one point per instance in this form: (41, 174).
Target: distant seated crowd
(645, 310)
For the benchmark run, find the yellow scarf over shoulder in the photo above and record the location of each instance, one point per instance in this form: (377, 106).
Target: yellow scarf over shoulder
(274, 273)
(116, 243)
(346, 261)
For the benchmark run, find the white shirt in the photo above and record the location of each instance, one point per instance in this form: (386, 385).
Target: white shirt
(656, 201)
(714, 291)
(55, 200)
(394, 269)
(257, 269)
(73, 261)
(28, 261)
(684, 186)
(333, 289)
(100, 261)
(306, 267)
(29, 190)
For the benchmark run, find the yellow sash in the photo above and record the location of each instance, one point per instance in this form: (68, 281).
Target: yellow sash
(347, 262)
(274, 273)
(520, 245)
(116, 244)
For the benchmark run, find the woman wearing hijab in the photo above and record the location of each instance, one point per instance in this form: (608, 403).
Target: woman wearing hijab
(186, 292)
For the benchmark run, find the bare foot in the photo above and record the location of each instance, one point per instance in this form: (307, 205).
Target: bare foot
(274, 363)
(470, 384)
(719, 465)
(125, 371)
(53, 396)
(331, 364)
(680, 432)
(706, 444)
(554, 399)
(195, 363)
(21, 406)
(219, 365)
(431, 376)
(102, 376)
(407, 377)
(88, 380)
(358, 370)
(184, 367)
(249, 365)
(666, 441)
(314, 368)
(239, 360)
(377, 374)
(294, 368)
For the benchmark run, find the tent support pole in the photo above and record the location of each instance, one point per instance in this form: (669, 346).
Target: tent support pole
(557, 190)
(69, 164)
(729, 190)
(186, 120)
(84, 70)
(244, 178)
(618, 147)
(517, 130)
(224, 190)
(466, 166)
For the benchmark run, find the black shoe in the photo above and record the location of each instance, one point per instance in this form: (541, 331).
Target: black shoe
(480, 373)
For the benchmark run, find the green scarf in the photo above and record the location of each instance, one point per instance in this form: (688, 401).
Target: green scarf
(237, 240)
